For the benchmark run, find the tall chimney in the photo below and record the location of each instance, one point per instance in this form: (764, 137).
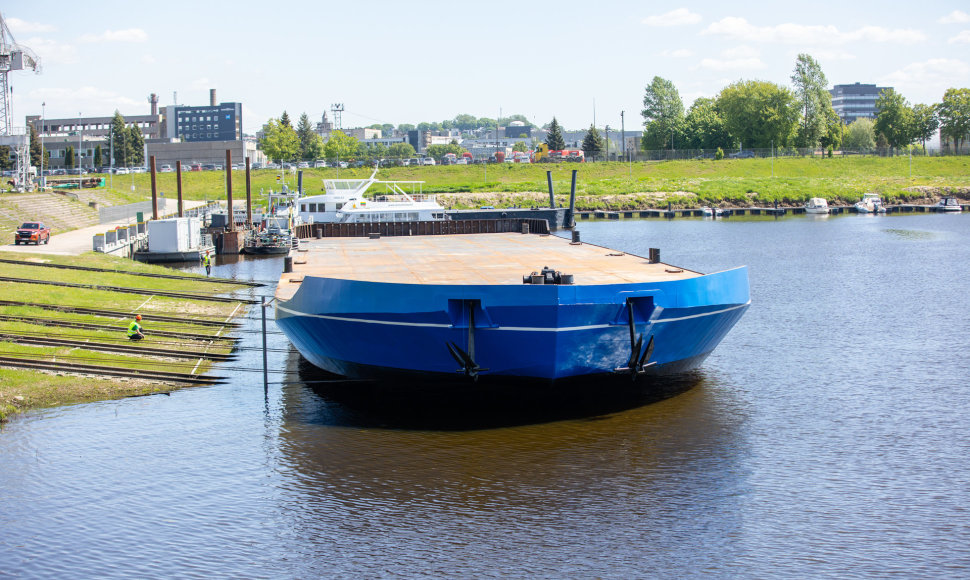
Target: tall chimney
(153, 99)
(212, 97)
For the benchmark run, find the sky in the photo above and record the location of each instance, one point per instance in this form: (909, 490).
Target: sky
(406, 62)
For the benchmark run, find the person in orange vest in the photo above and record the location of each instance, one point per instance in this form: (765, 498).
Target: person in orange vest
(134, 329)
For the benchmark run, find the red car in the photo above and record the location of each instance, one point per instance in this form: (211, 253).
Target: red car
(32, 232)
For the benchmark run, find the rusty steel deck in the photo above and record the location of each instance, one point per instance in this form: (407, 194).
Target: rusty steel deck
(488, 259)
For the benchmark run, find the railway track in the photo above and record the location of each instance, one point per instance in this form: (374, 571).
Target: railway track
(103, 370)
(121, 314)
(133, 349)
(109, 328)
(146, 274)
(141, 291)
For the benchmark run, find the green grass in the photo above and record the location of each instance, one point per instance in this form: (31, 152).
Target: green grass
(729, 180)
(25, 389)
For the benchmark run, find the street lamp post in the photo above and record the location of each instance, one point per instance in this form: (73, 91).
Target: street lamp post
(79, 145)
(43, 129)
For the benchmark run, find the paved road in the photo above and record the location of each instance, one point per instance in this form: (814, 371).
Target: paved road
(78, 241)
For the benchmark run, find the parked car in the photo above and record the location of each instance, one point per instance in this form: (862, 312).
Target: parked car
(344, 165)
(196, 167)
(427, 161)
(319, 163)
(303, 165)
(166, 169)
(32, 232)
(742, 155)
(121, 171)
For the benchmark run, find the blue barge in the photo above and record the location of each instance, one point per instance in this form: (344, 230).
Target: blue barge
(502, 306)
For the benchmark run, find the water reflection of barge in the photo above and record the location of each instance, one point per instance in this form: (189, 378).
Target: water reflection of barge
(434, 307)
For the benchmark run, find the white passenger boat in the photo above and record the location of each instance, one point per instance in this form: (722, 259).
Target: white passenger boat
(711, 212)
(949, 204)
(343, 201)
(817, 205)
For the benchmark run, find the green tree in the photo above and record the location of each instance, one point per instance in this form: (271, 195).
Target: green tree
(405, 127)
(663, 114)
(69, 157)
(387, 129)
(36, 151)
(136, 146)
(285, 120)
(592, 143)
(98, 159)
(757, 113)
(554, 138)
(954, 115)
(466, 122)
(5, 161)
(520, 146)
(834, 130)
(894, 118)
(340, 146)
(376, 151)
(311, 144)
(704, 126)
(925, 122)
(860, 135)
(487, 123)
(814, 100)
(439, 151)
(279, 142)
(119, 137)
(400, 151)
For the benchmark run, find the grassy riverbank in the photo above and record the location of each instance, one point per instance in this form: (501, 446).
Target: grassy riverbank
(22, 389)
(637, 185)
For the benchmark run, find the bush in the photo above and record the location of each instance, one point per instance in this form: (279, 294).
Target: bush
(831, 148)
(719, 154)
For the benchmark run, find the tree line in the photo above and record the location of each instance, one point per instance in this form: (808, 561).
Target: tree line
(760, 114)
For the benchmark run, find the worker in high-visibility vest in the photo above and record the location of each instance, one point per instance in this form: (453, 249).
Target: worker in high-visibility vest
(207, 263)
(134, 329)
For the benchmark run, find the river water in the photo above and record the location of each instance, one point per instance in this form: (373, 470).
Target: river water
(826, 437)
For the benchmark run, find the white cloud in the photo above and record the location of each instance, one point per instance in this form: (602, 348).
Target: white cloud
(127, 35)
(51, 51)
(678, 53)
(802, 34)
(955, 17)
(678, 17)
(742, 51)
(830, 55)
(201, 83)
(17, 26)
(753, 63)
(962, 38)
(938, 73)
(148, 59)
(90, 101)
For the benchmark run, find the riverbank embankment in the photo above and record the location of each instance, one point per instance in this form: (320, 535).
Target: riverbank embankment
(64, 323)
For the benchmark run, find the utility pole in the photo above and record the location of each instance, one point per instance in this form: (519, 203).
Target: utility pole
(607, 142)
(623, 133)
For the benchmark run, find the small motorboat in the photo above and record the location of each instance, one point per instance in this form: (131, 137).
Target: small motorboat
(711, 212)
(948, 204)
(870, 203)
(817, 205)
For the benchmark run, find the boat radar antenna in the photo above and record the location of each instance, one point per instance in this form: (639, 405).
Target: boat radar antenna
(14, 57)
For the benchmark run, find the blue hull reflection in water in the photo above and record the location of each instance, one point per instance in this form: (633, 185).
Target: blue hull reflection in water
(825, 437)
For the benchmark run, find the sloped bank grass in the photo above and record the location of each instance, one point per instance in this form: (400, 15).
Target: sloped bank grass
(23, 389)
(731, 181)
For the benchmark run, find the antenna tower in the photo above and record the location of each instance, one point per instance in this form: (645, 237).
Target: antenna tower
(337, 109)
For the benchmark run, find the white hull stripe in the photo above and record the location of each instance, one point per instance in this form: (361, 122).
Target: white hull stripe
(511, 328)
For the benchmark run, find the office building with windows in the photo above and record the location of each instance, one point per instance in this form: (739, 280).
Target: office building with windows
(222, 122)
(855, 101)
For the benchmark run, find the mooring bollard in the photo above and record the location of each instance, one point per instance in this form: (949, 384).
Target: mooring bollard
(525, 227)
(287, 264)
(654, 255)
(575, 238)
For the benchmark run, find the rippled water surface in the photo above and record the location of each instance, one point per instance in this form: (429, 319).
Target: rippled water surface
(826, 437)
